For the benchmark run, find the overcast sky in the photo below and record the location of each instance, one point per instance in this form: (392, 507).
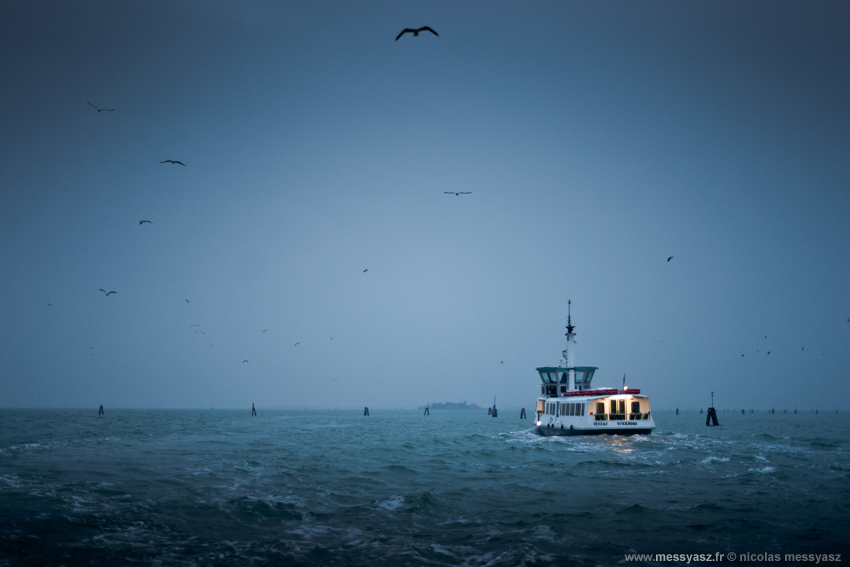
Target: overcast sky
(596, 138)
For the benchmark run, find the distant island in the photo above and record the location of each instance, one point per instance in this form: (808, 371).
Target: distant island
(452, 405)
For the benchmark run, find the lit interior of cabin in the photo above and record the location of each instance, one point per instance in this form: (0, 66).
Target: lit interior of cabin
(614, 408)
(620, 407)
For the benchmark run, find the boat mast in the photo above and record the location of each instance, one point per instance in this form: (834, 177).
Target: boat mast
(567, 353)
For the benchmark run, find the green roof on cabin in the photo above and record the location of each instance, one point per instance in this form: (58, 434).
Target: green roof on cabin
(558, 368)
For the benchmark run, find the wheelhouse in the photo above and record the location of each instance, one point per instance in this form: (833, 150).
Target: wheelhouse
(556, 379)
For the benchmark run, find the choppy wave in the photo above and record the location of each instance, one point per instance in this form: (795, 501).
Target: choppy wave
(455, 488)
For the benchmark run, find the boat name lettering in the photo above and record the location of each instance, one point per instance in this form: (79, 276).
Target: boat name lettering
(626, 423)
(599, 423)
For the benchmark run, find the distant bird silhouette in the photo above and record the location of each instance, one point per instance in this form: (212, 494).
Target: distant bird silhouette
(768, 353)
(244, 361)
(187, 301)
(107, 292)
(502, 362)
(670, 258)
(174, 161)
(195, 325)
(366, 270)
(50, 304)
(102, 109)
(264, 330)
(203, 333)
(415, 32)
(742, 355)
(804, 348)
(145, 221)
(458, 193)
(296, 344)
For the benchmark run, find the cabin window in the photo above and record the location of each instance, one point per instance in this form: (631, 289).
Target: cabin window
(635, 407)
(581, 409)
(563, 378)
(572, 409)
(600, 407)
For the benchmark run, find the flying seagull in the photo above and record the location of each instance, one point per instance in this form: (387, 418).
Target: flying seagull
(50, 304)
(264, 330)
(174, 161)
(296, 344)
(244, 361)
(145, 221)
(768, 353)
(416, 32)
(107, 292)
(366, 270)
(187, 301)
(458, 193)
(102, 109)
(670, 258)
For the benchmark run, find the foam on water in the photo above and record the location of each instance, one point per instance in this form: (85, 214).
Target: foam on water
(456, 488)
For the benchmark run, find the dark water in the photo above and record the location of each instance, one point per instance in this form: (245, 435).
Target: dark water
(398, 488)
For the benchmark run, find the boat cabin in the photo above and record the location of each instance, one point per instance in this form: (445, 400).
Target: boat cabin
(556, 380)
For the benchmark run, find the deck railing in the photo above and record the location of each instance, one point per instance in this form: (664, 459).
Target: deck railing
(620, 416)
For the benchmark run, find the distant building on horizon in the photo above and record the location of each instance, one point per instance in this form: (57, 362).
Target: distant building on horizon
(452, 406)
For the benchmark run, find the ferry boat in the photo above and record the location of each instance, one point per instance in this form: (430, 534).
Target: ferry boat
(568, 405)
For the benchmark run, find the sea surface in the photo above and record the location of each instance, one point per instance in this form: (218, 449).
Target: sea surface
(218, 487)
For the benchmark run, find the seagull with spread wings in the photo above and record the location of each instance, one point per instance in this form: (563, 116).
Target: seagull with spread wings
(458, 193)
(102, 109)
(141, 222)
(174, 161)
(107, 292)
(670, 258)
(415, 32)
